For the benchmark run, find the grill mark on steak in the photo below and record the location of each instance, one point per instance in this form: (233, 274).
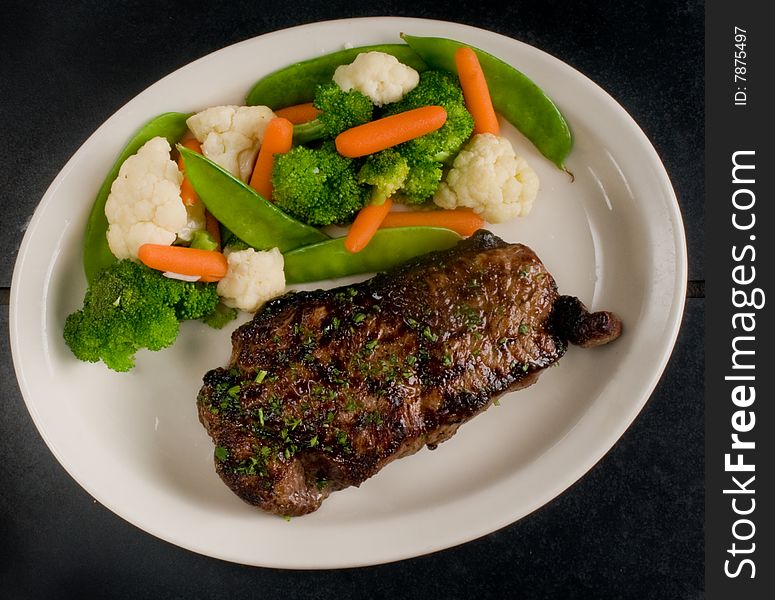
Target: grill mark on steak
(325, 388)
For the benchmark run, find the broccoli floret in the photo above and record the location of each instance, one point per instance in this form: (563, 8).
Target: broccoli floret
(444, 143)
(426, 153)
(435, 88)
(129, 307)
(317, 186)
(386, 172)
(220, 316)
(422, 180)
(339, 111)
(441, 89)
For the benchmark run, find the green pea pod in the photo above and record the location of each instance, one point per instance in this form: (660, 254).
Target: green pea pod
(515, 96)
(96, 252)
(387, 249)
(296, 83)
(244, 211)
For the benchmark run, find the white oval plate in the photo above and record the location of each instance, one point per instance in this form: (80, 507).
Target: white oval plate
(613, 237)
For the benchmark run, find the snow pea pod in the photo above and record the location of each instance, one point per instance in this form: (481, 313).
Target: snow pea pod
(296, 83)
(388, 248)
(514, 95)
(241, 209)
(96, 252)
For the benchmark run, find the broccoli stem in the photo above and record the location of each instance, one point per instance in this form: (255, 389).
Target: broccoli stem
(378, 196)
(204, 241)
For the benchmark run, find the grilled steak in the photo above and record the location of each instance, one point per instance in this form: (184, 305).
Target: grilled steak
(325, 388)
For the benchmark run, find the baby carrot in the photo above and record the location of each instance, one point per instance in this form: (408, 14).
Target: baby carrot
(208, 264)
(298, 113)
(187, 193)
(389, 131)
(475, 91)
(277, 140)
(461, 220)
(365, 225)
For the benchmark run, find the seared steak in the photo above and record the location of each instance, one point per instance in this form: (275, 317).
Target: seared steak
(325, 388)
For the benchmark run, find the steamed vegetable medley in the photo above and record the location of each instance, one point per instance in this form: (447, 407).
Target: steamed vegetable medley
(206, 214)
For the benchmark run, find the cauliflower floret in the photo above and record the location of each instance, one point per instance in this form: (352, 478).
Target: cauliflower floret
(253, 278)
(231, 135)
(490, 178)
(144, 205)
(377, 75)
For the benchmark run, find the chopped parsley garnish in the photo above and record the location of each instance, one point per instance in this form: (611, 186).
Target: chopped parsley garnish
(373, 418)
(471, 316)
(225, 395)
(429, 335)
(334, 324)
(341, 438)
(221, 453)
(274, 403)
(256, 464)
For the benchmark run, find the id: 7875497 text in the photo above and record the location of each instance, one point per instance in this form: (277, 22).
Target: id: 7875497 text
(740, 70)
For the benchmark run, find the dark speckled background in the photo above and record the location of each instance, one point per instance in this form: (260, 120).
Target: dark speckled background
(631, 528)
